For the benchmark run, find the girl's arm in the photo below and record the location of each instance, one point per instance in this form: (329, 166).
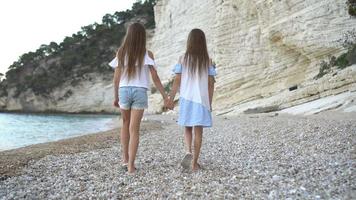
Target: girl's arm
(117, 76)
(116, 81)
(158, 83)
(156, 80)
(211, 82)
(175, 87)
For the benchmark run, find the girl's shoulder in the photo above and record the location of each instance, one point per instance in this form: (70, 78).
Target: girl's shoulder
(149, 58)
(150, 54)
(212, 68)
(181, 59)
(118, 51)
(212, 63)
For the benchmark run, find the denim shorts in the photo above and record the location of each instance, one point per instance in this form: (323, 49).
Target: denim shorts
(131, 97)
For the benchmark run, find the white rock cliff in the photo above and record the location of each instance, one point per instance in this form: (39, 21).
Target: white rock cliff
(261, 47)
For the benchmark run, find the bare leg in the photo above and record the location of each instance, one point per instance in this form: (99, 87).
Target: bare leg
(135, 121)
(125, 135)
(198, 135)
(187, 160)
(188, 136)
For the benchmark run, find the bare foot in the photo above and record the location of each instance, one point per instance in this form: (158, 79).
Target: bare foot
(131, 170)
(195, 167)
(186, 161)
(124, 166)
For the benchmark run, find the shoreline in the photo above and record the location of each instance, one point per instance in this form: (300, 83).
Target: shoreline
(58, 112)
(14, 160)
(111, 122)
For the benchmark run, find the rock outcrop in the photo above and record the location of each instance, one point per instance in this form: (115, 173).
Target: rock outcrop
(267, 52)
(94, 95)
(89, 96)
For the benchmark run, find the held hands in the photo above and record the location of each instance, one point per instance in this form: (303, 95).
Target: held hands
(166, 102)
(169, 103)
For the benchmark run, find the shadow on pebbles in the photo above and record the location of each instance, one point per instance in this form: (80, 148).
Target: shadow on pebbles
(242, 157)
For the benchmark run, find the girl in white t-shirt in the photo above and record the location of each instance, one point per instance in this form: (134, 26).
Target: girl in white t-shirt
(133, 65)
(195, 78)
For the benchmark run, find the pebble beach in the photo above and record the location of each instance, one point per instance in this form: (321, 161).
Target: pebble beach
(243, 157)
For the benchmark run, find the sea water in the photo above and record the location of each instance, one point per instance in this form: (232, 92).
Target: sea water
(19, 130)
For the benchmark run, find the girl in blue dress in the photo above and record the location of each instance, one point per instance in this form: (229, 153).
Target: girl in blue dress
(194, 76)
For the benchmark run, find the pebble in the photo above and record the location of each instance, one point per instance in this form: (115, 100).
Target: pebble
(242, 158)
(276, 178)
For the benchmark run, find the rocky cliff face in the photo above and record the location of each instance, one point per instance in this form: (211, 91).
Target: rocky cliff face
(91, 95)
(263, 48)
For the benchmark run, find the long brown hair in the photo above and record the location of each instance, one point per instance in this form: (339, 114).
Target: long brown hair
(196, 56)
(133, 49)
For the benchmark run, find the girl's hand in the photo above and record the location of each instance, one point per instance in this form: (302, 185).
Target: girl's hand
(166, 102)
(170, 104)
(116, 103)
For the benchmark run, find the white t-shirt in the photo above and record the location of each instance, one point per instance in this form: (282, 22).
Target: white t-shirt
(141, 78)
(194, 87)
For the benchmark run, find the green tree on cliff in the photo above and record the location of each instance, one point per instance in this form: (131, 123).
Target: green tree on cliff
(86, 51)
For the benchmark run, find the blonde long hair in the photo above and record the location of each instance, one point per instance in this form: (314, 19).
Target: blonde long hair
(196, 55)
(133, 49)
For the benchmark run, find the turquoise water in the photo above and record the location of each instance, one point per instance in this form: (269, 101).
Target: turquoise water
(19, 130)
